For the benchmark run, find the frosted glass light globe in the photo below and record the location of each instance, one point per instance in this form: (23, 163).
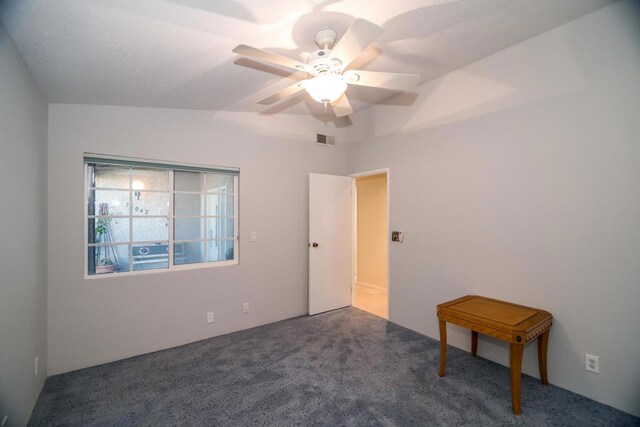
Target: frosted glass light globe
(325, 88)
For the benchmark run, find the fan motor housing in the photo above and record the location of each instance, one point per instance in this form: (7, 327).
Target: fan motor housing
(320, 61)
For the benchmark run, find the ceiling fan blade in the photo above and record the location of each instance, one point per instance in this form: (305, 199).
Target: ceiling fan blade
(342, 107)
(393, 81)
(360, 35)
(284, 93)
(273, 58)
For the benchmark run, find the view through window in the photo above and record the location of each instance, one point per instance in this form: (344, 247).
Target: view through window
(142, 216)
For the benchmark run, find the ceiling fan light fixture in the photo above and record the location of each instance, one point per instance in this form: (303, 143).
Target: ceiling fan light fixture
(326, 68)
(325, 88)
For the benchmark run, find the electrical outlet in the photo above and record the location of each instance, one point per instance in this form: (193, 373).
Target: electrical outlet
(254, 236)
(35, 367)
(246, 307)
(592, 363)
(210, 317)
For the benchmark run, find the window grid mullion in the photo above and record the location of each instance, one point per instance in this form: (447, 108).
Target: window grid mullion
(195, 216)
(235, 219)
(204, 196)
(193, 193)
(124, 216)
(171, 211)
(125, 189)
(130, 220)
(125, 242)
(86, 219)
(199, 240)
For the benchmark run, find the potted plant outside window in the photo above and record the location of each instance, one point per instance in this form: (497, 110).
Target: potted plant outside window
(103, 263)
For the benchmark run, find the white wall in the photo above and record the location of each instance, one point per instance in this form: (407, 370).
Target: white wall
(23, 266)
(101, 320)
(517, 178)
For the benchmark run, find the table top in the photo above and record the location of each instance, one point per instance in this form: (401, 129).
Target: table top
(473, 310)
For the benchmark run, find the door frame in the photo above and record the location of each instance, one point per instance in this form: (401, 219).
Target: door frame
(354, 228)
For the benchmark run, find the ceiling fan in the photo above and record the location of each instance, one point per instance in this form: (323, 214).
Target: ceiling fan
(327, 68)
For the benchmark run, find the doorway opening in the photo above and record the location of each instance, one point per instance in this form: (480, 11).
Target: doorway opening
(371, 284)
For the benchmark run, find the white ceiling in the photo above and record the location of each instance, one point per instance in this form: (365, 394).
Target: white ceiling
(177, 53)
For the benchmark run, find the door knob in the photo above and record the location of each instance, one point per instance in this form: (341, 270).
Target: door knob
(315, 245)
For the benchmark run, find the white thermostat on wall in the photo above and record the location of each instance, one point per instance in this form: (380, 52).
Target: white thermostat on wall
(396, 236)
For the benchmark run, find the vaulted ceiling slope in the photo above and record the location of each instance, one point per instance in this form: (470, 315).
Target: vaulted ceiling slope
(177, 53)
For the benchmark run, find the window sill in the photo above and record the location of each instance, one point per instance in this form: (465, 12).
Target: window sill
(176, 268)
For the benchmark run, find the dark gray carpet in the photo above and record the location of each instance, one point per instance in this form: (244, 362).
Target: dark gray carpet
(345, 367)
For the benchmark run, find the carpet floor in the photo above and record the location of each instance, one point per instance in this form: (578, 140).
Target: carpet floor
(345, 367)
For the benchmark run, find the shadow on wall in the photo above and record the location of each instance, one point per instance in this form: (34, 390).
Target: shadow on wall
(469, 92)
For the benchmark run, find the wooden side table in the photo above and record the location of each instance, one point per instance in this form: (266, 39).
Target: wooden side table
(512, 323)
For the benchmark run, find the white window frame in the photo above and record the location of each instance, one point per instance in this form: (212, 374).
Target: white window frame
(170, 217)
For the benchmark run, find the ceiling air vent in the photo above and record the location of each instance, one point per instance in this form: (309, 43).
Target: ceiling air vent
(326, 140)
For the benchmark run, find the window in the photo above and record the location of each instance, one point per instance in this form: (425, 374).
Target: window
(145, 216)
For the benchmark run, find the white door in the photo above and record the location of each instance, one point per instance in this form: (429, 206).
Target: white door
(330, 240)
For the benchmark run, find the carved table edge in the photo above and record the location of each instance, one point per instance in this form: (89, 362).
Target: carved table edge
(546, 325)
(515, 337)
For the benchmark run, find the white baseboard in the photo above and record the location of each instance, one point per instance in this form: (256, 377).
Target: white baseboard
(371, 286)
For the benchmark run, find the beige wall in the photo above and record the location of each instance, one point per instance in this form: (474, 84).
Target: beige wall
(372, 230)
(517, 177)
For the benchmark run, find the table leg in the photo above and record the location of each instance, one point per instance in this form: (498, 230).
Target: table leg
(515, 356)
(543, 341)
(443, 347)
(474, 343)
